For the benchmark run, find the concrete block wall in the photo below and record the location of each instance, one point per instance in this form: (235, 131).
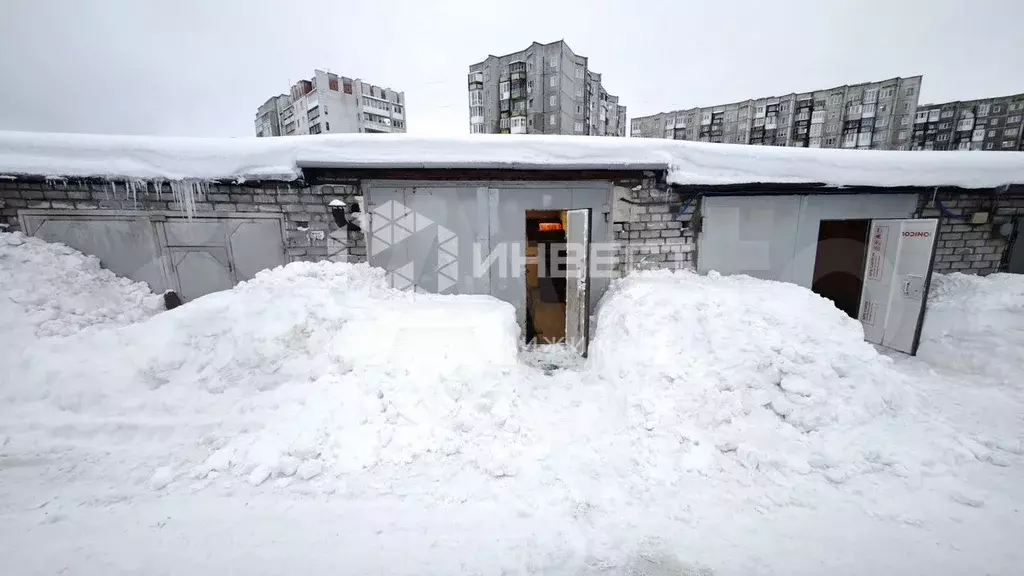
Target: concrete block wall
(651, 231)
(972, 248)
(310, 230)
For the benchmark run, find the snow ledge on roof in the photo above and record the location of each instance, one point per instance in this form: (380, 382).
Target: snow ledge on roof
(688, 163)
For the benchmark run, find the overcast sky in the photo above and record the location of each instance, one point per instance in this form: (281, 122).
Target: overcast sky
(201, 67)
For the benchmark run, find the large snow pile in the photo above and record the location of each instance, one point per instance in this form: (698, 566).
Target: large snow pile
(147, 157)
(767, 370)
(975, 325)
(54, 290)
(305, 366)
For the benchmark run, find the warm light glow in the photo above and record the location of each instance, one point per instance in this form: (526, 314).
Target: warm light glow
(550, 226)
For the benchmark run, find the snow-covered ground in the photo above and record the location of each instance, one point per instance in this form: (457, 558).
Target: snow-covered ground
(314, 420)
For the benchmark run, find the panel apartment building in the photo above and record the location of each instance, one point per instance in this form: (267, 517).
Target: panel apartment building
(332, 104)
(873, 115)
(544, 89)
(987, 124)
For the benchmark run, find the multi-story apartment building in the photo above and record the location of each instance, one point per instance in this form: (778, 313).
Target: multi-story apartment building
(988, 124)
(268, 116)
(330, 104)
(544, 89)
(874, 115)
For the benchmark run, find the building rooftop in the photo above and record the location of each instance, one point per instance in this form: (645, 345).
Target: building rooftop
(688, 163)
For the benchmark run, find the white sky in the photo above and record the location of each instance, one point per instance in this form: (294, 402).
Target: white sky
(201, 67)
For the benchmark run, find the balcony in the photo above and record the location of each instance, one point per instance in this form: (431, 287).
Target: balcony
(375, 126)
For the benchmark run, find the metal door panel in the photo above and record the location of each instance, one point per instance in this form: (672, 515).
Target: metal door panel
(577, 309)
(195, 232)
(200, 271)
(126, 246)
(898, 263)
(255, 245)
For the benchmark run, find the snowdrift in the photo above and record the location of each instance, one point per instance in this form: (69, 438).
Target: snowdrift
(305, 366)
(721, 369)
(975, 325)
(54, 290)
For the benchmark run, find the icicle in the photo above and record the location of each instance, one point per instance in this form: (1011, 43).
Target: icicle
(185, 192)
(159, 185)
(131, 188)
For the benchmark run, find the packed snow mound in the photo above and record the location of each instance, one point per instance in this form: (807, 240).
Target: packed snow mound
(51, 289)
(305, 367)
(975, 325)
(724, 346)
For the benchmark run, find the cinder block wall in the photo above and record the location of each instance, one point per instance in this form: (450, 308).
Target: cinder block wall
(310, 230)
(972, 248)
(652, 230)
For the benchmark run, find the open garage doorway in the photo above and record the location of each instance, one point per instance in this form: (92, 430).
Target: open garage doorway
(839, 262)
(557, 277)
(545, 276)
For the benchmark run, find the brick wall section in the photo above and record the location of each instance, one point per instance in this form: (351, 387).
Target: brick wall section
(310, 230)
(651, 232)
(972, 248)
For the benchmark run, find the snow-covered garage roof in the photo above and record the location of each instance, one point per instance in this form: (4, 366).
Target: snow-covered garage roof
(148, 157)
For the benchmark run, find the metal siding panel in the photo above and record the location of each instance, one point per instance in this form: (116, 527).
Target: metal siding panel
(752, 235)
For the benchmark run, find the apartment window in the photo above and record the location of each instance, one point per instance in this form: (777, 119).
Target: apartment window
(869, 110)
(965, 124)
(553, 80)
(993, 122)
(991, 133)
(579, 72)
(784, 107)
(579, 92)
(944, 126)
(551, 119)
(552, 100)
(327, 125)
(933, 115)
(833, 116)
(760, 111)
(529, 86)
(476, 129)
(942, 137)
(850, 140)
(578, 127)
(1015, 106)
(906, 106)
(988, 146)
(947, 113)
(901, 135)
(1007, 143)
(963, 146)
(905, 121)
(910, 91)
(982, 109)
(815, 130)
(554, 62)
(871, 95)
(836, 99)
(476, 98)
(830, 142)
(920, 117)
(830, 129)
(886, 92)
(1010, 132)
(1013, 119)
(997, 108)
